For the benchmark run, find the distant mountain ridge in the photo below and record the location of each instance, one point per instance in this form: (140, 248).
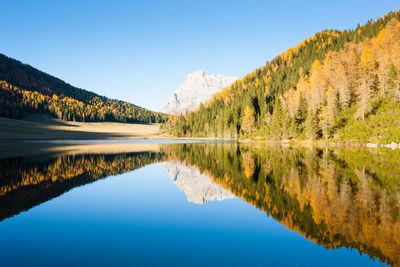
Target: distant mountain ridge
(24, 88)
(198, 88)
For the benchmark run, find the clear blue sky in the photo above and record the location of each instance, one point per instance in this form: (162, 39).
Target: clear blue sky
(140, 51)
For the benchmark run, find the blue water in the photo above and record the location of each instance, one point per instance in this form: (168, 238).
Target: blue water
(142, 218)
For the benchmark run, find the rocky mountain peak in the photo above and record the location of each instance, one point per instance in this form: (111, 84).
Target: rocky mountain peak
(198, 88)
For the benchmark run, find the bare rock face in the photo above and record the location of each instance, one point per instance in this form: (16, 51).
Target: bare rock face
(198, 88)
(198, 187)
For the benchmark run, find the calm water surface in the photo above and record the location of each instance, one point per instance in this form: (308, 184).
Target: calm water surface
(199, 204)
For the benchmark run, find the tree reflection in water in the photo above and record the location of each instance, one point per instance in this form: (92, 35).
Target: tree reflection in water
(333, 197)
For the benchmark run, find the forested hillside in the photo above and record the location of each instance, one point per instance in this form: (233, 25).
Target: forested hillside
(24, 88)
(335, 85)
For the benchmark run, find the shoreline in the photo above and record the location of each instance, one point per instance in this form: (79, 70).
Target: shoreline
(310, 143)
(45, 129)
(393, 146)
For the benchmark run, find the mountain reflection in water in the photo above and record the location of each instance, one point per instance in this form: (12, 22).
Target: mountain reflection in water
(199, 188)
(333, 197)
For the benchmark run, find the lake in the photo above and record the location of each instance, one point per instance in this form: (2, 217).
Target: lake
(197, 204)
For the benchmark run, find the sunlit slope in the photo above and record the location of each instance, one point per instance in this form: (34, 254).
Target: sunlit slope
(330, 83)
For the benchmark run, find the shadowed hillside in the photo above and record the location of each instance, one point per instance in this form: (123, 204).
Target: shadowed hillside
(24, 88)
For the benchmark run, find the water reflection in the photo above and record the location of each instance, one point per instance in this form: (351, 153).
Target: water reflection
(333, 197)
(199, 188)
(27, 182)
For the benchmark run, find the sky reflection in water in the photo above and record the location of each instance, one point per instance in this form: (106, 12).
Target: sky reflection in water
(143, 218)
